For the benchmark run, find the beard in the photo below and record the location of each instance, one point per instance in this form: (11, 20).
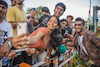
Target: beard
(79, 31)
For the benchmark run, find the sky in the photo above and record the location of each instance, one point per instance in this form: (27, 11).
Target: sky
(77, 8)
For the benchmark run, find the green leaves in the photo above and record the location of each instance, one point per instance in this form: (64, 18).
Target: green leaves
(76, 62)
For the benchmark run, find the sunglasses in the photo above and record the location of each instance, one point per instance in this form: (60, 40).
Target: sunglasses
(33, 9)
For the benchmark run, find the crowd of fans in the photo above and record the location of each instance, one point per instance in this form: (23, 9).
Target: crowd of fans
(49, 35)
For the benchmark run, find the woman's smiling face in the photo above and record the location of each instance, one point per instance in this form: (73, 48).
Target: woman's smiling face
(52, 23)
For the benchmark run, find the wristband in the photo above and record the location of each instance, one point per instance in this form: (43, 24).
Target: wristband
(37, 52)
(47, 57)
(9, 43)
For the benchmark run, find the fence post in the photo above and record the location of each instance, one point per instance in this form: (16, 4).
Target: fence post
(0, 63)
(56, 64)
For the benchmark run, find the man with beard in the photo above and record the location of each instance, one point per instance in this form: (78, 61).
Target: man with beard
(87, 44)
(15, 15)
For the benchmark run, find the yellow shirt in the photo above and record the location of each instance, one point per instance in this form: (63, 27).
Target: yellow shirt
(16, 15)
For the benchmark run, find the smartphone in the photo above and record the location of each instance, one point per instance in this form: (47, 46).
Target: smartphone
(67, 35)
(22, 28)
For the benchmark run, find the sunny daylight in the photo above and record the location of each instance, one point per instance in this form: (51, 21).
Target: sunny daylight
(49, 33)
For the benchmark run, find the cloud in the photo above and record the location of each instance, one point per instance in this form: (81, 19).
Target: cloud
(62, 1)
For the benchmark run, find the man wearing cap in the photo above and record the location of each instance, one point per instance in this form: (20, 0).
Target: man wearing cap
(6, 33)
(15, 15)
(32, 17)
(69, 18)
(68, 29)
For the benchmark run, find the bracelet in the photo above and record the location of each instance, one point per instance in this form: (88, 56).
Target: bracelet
(9, 43)
(48, 57)
(37, 52)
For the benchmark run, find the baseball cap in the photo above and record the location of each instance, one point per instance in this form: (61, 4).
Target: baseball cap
(70, 16)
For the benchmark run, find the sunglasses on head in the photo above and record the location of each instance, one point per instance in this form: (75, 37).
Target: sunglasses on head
(33, 9)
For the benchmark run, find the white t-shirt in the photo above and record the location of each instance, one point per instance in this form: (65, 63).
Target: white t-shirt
(80, 40)
(6, 31)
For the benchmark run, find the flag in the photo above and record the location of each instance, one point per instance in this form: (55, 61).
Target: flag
(96, 15)
(90, 17)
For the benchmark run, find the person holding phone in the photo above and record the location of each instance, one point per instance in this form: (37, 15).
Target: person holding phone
(6, 33)
(40, 38)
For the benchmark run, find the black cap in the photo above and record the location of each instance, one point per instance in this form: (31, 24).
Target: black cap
(3, 3)
(45, 9)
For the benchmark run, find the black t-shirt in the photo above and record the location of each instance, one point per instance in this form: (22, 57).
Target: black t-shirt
(43, 20)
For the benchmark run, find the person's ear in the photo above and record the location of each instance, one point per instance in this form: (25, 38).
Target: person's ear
(57, 27)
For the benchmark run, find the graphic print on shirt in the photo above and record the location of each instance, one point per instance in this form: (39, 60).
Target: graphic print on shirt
(45, 21)
(3, 36)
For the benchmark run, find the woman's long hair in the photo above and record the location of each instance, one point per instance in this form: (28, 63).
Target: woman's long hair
(56, 36)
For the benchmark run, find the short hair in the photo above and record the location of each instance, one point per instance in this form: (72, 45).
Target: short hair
(63, 20)
(45, 9)
(70, 16)
(80, 19)
(3, 3)
(62, 5)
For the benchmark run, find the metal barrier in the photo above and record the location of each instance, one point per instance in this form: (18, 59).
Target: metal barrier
(56, 64)
(0, 63)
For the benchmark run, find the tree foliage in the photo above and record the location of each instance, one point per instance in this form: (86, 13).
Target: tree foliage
(38, 11)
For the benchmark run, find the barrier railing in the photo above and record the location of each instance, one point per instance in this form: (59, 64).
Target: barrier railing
(0, 63)
(56, 63)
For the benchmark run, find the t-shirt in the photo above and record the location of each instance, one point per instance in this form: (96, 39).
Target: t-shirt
(5, 32)
(80, 40)
(16, 15)
(68, 30)
(40, 44)
(43, 20)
